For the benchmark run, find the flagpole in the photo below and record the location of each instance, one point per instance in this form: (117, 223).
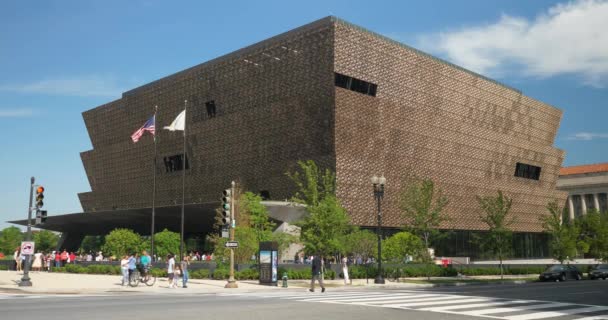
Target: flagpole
(153, 188)
(181, 244)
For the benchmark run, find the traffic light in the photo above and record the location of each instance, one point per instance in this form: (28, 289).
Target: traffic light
(40, 216)
(227, 194)
(39, 196)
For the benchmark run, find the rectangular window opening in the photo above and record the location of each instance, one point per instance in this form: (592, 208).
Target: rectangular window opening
(210, 105)
(527, 171)
(175, 163)
(356, 85)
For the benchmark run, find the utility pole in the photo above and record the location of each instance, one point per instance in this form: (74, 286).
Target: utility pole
(25, 280)
(231, 281)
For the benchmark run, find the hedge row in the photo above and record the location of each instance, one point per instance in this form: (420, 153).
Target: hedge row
(355, 272)
(431, 270)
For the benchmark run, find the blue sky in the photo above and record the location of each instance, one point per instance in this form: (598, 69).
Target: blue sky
(60, 58)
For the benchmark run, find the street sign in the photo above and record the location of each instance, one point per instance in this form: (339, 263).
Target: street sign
(27, 247)
(232, 244)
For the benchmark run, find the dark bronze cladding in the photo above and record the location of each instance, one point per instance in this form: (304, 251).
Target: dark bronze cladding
(349, 99)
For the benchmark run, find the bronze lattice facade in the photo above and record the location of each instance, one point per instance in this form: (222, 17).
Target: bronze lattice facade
(253, 113)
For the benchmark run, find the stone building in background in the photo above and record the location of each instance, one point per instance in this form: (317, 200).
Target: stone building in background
(351, 100)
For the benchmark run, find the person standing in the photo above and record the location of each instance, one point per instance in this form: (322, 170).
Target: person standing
(17, 257)
(124, 268)
(317, 273)
(184, 266)
(64, 258)
(345, 269)
(37, 264)
(170, 271)
(132, 264)
(57, 259)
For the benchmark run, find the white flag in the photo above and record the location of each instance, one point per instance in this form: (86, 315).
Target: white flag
(179, 124)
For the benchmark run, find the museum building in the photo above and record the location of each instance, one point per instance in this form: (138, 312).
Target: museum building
(350, 99)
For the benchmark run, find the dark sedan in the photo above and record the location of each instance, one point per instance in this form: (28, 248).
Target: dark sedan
(561, 273)
(599, 272)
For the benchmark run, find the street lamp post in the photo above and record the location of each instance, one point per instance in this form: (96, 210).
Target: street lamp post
(378, 184)
(25, 280)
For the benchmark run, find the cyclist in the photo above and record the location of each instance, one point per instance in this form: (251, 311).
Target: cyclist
(146, 263)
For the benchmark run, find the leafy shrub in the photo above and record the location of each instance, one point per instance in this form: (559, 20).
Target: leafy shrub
(158, 272)
(247, 274)
(221, 274)
(199, 274)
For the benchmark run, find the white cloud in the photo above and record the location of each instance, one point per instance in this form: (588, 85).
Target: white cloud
(70, 86)
(569, 38)
(587, 136)
(16, 113)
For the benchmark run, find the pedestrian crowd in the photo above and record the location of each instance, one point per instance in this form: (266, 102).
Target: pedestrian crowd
(42, 261)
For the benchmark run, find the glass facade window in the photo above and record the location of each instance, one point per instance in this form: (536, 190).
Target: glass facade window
(603, 200)
(578, 206)
(527, 171)
(356, 85)
(590, 202)
(175, 163)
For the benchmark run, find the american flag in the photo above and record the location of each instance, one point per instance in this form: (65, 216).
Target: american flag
(150, 126)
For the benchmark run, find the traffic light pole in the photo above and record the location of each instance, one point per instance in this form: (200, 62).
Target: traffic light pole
(231, 281)
(25, 280)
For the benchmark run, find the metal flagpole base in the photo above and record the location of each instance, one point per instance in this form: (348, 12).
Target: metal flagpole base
(25, 282)
(231, 284)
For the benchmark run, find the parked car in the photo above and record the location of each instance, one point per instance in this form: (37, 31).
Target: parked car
(561, 272)
(599, 272)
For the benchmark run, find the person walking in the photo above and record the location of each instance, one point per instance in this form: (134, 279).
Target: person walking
(171, 271)
(124, 268)
(317, 273)
(345, 269)
(184, 266)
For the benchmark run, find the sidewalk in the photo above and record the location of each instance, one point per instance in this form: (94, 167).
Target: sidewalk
(69, 283)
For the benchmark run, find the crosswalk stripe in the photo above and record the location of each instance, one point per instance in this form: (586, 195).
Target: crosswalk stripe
(358, 299)
(434, 303)
(559, 313)
(512, 309)
(423, 302)
(474, 305)
(602, 317)
(326, 297)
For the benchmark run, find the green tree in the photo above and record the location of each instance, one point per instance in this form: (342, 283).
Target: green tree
(248, 246)
(10, 239)
(166, 242)
(403, 244)
(312, 183)
(498, 239)
(259, 220)
(421, 205)
(593, 233)
(563, 232)
(92, 244)
(361, 243)
(324, 227)
(120, 242)
(45, 241)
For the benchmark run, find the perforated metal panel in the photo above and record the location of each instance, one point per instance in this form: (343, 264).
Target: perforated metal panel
(276, 103)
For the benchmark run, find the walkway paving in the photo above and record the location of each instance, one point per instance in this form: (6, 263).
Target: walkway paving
(69, 283)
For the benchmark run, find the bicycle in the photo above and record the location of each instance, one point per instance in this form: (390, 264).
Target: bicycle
(136, 278)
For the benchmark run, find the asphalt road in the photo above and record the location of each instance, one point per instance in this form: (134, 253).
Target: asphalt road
(559, 301)
(584, 292)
